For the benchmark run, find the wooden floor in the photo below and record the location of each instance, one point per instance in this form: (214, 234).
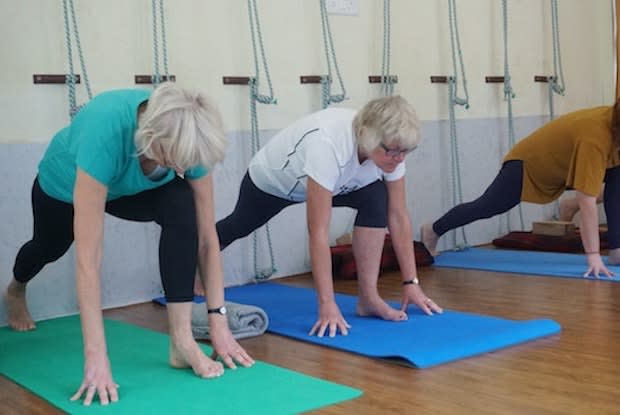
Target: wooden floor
(576, 372)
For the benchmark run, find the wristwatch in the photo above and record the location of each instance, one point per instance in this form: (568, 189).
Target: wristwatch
(219, 310)
(413, 281)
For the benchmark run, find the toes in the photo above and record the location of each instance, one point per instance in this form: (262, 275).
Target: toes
(212, 370)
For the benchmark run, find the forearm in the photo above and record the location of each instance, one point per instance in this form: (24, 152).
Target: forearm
(89, 206)
(211, 272)
(589, 228)
(321, 262)
(209, 260)
(402, 243)
(89, 300)
(318, 212)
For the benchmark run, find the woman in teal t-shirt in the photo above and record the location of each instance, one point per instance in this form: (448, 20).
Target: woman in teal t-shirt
(141, 157)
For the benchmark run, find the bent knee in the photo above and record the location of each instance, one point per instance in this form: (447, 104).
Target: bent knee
(176, 204)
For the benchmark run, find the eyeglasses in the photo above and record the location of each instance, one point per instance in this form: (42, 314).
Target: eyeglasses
(396, 152)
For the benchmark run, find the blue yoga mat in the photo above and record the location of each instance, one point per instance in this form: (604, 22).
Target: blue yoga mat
(422, 341)
(551, 264)
(198, 299)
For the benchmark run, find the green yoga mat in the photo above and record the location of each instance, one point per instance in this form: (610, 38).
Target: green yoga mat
(48, 361)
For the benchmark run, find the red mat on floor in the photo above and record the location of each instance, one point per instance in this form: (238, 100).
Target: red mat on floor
(343, 263)
(534, 242)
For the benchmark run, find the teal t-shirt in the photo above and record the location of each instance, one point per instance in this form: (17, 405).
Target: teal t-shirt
(100, 141)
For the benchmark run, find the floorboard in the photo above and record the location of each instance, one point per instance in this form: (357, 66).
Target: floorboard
(576, 372)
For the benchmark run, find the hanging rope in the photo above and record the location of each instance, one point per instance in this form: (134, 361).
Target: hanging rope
(327, 97)
(555, 87)
(71, 27)
(508, 96)
(159, 31)
(455, 43)
(453, 101)
(387, 82)
(255, 98)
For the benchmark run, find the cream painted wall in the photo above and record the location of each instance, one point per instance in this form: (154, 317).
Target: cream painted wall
(210, 38)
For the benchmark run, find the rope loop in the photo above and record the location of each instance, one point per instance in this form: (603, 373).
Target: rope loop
(327, 97)
(159, 31)
(457, 56)
(454, 100)
(71, 31)
(256, 97)
(387, 81)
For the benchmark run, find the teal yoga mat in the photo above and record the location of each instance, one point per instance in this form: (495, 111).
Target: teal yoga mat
(48, 362)
(422, 341)
(551, 264)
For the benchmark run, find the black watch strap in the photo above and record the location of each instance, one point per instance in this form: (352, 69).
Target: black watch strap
(219, 310)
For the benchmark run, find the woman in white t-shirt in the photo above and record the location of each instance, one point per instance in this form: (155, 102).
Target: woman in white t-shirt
(340, 157)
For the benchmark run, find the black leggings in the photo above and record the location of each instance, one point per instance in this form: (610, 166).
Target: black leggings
(611, 202)
(171, 206)
(254, 208)
(502, 195)
(505, 193)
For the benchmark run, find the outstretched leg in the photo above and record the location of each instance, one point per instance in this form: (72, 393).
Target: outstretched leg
(254, 208)
(503, 194)
(52, 237)
(429, 238)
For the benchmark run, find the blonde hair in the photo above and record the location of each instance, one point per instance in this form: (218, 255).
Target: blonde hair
(388, 120)
(186, 124)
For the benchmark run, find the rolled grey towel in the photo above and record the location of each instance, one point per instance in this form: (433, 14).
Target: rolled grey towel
(243, 320)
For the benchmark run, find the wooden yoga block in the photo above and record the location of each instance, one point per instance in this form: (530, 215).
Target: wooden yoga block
(553, 228)
(346, 239)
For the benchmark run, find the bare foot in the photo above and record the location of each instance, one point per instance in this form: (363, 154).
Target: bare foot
(568, 209)
(378, 308)
(190, 355)
(19, 317)
(429, 238)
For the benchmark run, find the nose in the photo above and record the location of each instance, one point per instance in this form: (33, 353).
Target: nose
(400, 156)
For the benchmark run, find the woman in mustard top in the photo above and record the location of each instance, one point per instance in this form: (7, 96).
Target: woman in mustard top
(579, 151)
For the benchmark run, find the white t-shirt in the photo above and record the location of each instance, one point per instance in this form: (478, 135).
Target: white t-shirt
(322, 146)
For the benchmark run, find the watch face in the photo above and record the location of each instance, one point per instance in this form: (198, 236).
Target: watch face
(219, 310)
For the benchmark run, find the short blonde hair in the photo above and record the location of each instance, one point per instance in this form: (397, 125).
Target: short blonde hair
(387, 120)
(186, 124)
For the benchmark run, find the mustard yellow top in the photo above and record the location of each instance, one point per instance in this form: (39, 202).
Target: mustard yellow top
(572, 151)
